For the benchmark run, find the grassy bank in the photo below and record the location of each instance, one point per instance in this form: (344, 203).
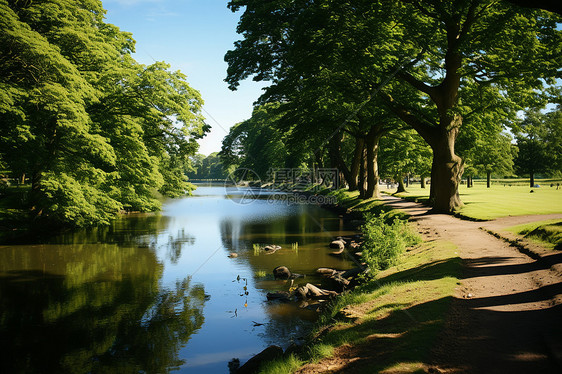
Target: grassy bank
(499, 201)
(392, 322)
(547, 233)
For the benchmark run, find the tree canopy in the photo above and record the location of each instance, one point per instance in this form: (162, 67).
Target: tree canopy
(539, 142)
(94, 131)
(440, 67)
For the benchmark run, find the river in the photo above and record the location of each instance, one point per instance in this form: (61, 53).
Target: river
(157, 292)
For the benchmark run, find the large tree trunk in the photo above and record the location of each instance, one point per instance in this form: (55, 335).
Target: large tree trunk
(422, 177)
(401, 187)
(336, 160)
(488, 179)
(447, 167)
(372, 150)
(446, 171)
(362, 186)
(532, 179)
(356, 164)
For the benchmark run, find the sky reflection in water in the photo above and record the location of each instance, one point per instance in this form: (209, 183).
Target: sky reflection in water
(154, 292)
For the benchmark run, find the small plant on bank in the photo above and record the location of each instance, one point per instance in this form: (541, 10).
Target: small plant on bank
(295, 247)
(257, 249)
(260, 274)
(385, 241)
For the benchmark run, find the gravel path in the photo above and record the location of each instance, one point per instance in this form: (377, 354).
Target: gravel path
(506, 316)
(507, 313)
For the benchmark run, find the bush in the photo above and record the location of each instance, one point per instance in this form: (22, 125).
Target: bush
(385, 240)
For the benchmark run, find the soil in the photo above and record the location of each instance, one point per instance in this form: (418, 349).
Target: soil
(506, 316)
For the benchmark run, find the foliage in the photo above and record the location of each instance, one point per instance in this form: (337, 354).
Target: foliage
(539, 140)
(493, 155)
(385, 241)
(209, 167)
(439, 67)
(91, 129)
(404, 152)
(256, 144)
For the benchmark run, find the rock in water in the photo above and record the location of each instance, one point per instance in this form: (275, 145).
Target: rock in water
(337, 244)
(253, 365)
(281, 272)
(282, 296)
(310, 291)
(269, 249)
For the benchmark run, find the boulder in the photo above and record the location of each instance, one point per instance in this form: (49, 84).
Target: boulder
(253, 365)
(352, 273)
(292, 349)
(270, 249)
(281, 272)
(282, 296)
(337, 244)
(310, 291)
(326, 272)
(233, 255)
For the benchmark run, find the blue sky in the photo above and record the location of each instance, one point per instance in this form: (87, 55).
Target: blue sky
(192, 36)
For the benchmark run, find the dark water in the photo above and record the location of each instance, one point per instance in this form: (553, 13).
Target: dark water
(153, 293)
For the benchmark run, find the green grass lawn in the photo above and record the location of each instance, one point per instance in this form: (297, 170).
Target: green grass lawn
(548, 233)
(500, 200)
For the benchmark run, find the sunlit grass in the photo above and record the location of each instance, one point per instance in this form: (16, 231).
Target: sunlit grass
(260, 273)
(283, 366)
(258, 248)
(295, 247)
(548, 233)
(500, 200)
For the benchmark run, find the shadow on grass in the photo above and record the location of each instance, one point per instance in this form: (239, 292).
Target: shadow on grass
(523, 341)
(404, 336)
(434, 270)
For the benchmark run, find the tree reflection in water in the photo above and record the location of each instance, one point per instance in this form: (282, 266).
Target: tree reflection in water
(92, 308)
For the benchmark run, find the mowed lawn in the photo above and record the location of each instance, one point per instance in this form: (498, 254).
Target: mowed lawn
(500, 200)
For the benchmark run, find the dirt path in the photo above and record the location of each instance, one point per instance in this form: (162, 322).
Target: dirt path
(507, 314)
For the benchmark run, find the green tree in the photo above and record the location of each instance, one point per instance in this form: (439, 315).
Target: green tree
(495, 155)
(539, 140)
(95, 131)
(450, 60)
(207, 167)
(404, 153)
(256, 144)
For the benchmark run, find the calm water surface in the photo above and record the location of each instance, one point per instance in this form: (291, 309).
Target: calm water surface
(154, 293)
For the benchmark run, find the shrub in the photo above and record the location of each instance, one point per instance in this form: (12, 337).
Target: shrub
(385, 241)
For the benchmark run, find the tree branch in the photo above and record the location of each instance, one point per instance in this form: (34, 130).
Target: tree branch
(416, 83)
(425, 129)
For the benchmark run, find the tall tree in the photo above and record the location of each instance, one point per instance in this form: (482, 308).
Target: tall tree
(539, 140)
(493, 155)
(439, 52)
(256, 144)
(96, 131)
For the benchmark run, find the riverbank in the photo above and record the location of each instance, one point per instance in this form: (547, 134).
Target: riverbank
(495, 308)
